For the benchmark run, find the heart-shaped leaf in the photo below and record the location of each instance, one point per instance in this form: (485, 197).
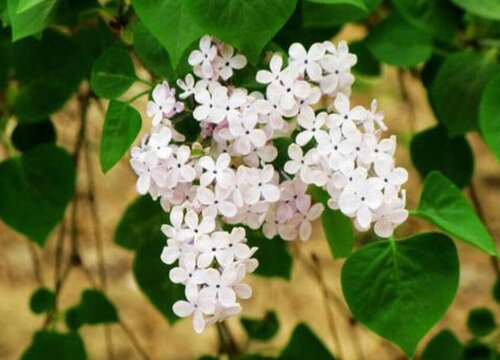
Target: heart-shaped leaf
(36, 187)
(400, 289)
(47, 344)
(304, 344)
(489, 115)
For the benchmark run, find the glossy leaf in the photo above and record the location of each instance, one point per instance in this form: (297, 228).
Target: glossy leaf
(303, 344)
(30, 17)
(481, 322)
(457, 89)
(246, 25)
(444, 205)
(432, 149)
(273, 255)
(121, 126)
(95, 308)
(142, 220)
(49, 71)
(36, 188)
(395, 42)
(367, 64)
(171, 23)
(261, 329)
(489, 115)
(489, 9)
(113, 73)
(42, 300)
(400, 289)
(444, 345)
(50, 345)
(29, 135)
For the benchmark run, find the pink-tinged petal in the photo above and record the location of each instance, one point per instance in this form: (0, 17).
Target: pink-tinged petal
(143, 183)
(264, 76)
(191, 219)
(205, 196)
(207, 225)
(287, 101)
(169, 254)
(205, 259)
(384, 228)
(342, 103)
(314, 71)
(243, 291)
(206, 69)
(206, 305)
(206, 162)
(271, 193)
(227, 208)
(178, 275)
(357, 113)
(349, 203)
(212, 277)
(198, 322)
(301, 89)
(316, 52)
(206, 178)
(251, 195)
(398, 176)
(242, 251)
(238, 62)
(292, 167)
(305, 230)
(201, 112)
(364, 216)
(195, 58)
(223, 161)
(258, 137)
(188, 173)
(304, 137)
(227, 296)
(329, 83)
(315, 211)
(182, 308)
(295, 152)
(297, 51)
(276, 63)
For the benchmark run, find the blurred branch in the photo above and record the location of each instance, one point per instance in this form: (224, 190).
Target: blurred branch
(227, 344)
(405, 94)
(35, 259)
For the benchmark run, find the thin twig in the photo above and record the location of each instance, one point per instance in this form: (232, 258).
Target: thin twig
(35, 259)
(405, 94)
(227, 344)
(133, 339)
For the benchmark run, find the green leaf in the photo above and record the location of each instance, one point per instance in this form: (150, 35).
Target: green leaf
(489, 9)
(478, 351)
(171, 23)
(366, 64)
(456, 91)
(151, 52)
(444, 205)
(95, 308)
(113, 73)
(42, 300)
(188, 126)
(72, 318)
(30, 17)
(444, 345)
(481, 322)
(121, 126)
(432, 149)
(396, 42)
(247, 25)
(27, 136)
(489, 115)
(50, 345)
(36, 187)
(142, 220)
(331, 15)
(152, 277)
(261, 329)
(303, 344)
(93, 42)
(438, 18)
(358, 3)
(273, 255)
(496, 291)
(49, 71)
(400, 289)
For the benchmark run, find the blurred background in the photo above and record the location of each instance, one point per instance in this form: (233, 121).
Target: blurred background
(24, 266)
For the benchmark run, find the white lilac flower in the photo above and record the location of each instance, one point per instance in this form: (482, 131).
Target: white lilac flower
(204, 57)
(164, 104)
(187, 85)
(307, 61)
(312, 126)
(228, 61)
(218, 171)
(214, 248)
(196, 305)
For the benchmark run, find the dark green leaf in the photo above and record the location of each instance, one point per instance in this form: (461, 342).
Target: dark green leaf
(247, 25)
(42, 300)
(478, 351)
(457, 90)
(112, 73)
(95, 308)
(171, 23)
(261, 329)
(188, 126)
(30, 20)
(304, 344)
(29, 135)
(151, 52)
(331, 15)
(36, 188)
(152, 277)
(72, 318)
(358, 3)
(481, 322)
(496, 290)
(50, 345)
(400, 289)
(489, 9)
(366, 64)
(49, 72)
(444, 205)
(444, 345)
(489, 115)
(439, 18)
(93, 42)
(273, 255)
(121, 126)
(282, 145)
(142, 220)
(431, 150)
(396, 42)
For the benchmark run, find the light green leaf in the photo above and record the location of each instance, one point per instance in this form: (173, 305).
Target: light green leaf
(142, 220)
(121, 126)
(261, 329)
(36, 188)
(171, 23)
(489, 9)
(95, 308)
(489, 115)
(113, 73)
(455, 159)
(42, 300)
(457, 89)
(395, 42)
(25, 5)
(444, 205)
(304, 344)
(444, 345)
(400, 289)
(358, 3)
(247, 25)
(481, 322)
(50, 345)
(30, 17)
